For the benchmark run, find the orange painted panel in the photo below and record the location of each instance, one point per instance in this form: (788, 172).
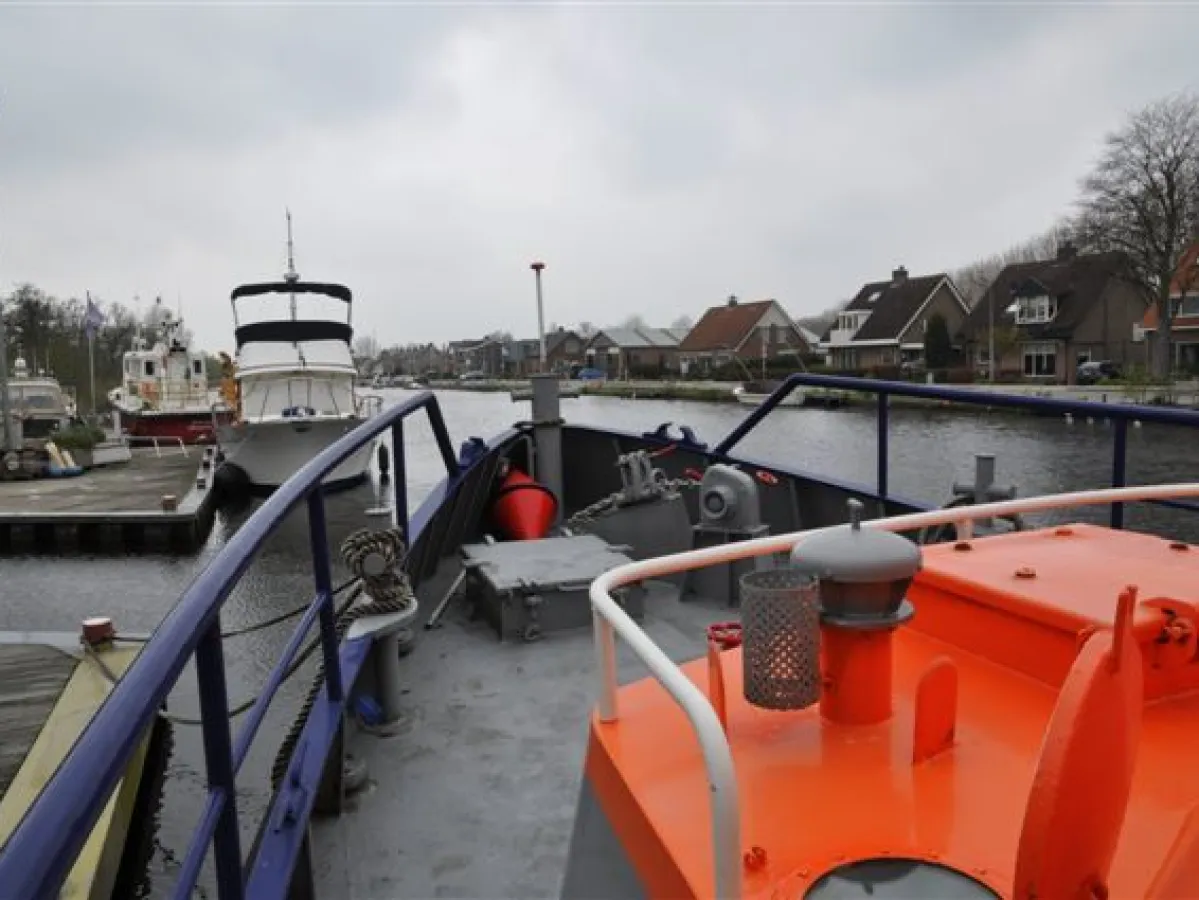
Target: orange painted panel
(815, 793)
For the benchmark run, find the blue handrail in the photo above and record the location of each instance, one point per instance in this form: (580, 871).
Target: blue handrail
(39, 854)
(1119, 413)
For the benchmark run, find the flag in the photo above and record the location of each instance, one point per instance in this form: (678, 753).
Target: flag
(93, 319)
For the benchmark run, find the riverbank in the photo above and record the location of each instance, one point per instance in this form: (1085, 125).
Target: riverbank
(1180, 394)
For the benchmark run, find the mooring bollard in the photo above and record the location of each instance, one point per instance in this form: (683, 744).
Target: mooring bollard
(170, 503)
(98, 630)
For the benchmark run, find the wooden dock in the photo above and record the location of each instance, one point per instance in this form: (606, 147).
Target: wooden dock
(115, 509)
(48, 694)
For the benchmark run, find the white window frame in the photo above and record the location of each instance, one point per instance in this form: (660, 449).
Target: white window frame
(1038, 351)
(1035, 310)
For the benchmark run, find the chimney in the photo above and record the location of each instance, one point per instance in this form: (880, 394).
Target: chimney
(732, 299)
(899, 276)
(1067, 250)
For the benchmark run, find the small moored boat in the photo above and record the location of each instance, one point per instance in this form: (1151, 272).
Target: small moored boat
(164, 390)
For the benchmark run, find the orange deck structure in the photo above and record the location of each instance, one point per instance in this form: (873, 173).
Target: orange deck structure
(1036, 741)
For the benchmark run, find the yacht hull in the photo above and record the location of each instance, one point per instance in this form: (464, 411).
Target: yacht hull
(271, 452)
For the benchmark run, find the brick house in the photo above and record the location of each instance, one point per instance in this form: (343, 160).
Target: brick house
(884, 324)
(564, 350)
(758, 331)
(1051, 315)
(635, 352)
(1184, 322)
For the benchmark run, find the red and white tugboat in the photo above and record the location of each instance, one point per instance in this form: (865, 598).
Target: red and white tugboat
(164, 390)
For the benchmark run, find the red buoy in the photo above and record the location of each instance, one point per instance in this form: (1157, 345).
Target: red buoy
(523, 509)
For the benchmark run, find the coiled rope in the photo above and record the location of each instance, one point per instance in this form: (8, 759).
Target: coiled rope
(376, 558)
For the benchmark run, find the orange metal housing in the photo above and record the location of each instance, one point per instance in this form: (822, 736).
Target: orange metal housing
(1007, 629)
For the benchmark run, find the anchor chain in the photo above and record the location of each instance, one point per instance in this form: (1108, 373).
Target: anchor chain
(588, 514)
(376, 558)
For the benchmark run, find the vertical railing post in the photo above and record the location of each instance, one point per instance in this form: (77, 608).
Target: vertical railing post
(319, 542)
(883, 407)
(400, 476)
(1119, 467)
(442, 436)
(218, 759)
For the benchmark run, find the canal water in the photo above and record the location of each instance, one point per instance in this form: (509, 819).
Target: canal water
(930, 449)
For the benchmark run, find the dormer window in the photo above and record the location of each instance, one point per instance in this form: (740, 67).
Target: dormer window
(1035, 310)
(851, 321)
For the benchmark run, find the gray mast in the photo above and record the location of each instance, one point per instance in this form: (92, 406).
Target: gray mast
(291, 276)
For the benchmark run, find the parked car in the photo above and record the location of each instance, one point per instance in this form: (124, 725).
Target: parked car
(591, 375)
(1096, 370)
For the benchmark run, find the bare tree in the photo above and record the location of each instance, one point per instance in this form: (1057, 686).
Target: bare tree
(1142, 198)
(820, 322)
(682, 323)
(586, 329)
(634, 321)
(973, 280)
(366, 347)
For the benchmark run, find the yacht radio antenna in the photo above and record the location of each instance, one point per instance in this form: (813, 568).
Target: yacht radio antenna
(291, 276)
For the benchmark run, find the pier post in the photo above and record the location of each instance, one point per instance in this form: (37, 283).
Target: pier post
(547, 436)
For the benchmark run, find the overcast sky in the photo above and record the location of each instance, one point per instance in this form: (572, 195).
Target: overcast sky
(658, 158)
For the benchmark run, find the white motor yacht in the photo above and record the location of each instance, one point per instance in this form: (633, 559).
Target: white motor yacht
(295, 380)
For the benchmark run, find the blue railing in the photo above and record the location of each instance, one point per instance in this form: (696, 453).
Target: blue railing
(1120, 415)
(41, 851)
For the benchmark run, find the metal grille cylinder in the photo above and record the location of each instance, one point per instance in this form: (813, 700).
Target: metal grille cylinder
(780, 625)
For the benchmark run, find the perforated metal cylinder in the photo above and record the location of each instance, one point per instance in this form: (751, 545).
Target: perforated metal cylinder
(780, 627)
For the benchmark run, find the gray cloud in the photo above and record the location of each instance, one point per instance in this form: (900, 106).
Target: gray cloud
(657, 158)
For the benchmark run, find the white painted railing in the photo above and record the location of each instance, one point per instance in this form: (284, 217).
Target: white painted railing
(158, 441)
(609, 619)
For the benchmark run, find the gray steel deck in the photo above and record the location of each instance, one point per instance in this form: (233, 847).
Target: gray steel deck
(475, 797)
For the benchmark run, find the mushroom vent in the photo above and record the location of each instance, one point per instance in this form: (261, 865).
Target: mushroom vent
(780, 630)
(863, 573)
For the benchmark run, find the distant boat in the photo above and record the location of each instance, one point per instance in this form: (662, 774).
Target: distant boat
(754, 393)
(38, 402)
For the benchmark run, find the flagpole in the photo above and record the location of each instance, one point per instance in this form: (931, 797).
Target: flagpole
(91, 353)
(91, 366)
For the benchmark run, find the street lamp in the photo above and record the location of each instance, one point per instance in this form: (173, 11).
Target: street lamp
(537, 267)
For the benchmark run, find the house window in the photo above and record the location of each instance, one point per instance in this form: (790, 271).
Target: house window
(198, 366)
(1185, 306)
(1034, 310)
(1040, 360)
(149, 367)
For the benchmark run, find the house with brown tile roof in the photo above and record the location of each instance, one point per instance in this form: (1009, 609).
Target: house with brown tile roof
(1052, 315)
(885, 322)
(1184, 322)
(746, 331)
